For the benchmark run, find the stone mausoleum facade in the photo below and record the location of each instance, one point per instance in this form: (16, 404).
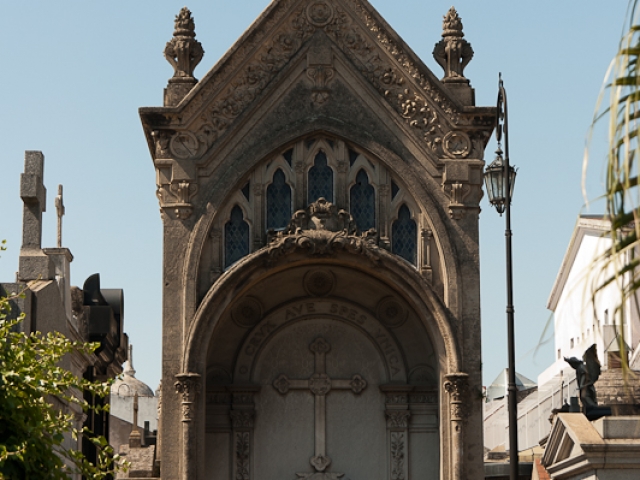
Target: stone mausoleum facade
(320, 190)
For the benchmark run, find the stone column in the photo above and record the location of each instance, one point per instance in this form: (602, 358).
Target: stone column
(342, 191)
(242, 421)
(259, 222)
(427, 271)
(216, 254)
(188, 386)
(301, 184)
(398, 415)
(457, 385)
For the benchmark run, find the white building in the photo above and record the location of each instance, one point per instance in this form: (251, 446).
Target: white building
(578, 324)
(123, 392)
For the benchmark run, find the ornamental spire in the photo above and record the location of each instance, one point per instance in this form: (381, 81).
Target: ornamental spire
(453, 53)
(184, 53)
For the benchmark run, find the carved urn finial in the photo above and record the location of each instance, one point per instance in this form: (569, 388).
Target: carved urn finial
(184, 53)
(453, 53)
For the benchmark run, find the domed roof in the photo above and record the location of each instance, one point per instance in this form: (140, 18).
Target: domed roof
(128, 385)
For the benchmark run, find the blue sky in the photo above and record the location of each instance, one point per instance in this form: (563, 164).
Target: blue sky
(75, 74)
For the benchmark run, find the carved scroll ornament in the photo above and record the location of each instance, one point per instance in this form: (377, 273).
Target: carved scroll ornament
(411, 92)
(321, 229)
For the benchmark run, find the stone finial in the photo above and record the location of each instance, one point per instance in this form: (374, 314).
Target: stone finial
(453, 53)
(128, 368)
(184, 53)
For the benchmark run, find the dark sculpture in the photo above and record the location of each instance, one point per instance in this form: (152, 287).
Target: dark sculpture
(587, 373)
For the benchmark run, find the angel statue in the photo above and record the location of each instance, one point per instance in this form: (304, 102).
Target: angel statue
(587, 374)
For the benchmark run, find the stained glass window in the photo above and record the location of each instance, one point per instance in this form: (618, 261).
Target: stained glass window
(278, 202)
(320, 179)
(404, 236)
(236, 237)
(362, 202)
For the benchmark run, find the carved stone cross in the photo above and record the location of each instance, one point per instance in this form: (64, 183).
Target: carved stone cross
(320, 385)
(60, 213)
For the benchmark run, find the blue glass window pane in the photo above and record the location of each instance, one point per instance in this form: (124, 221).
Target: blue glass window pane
(320, 179)
(236, 237)
(278, 202)
(362, 202)
(404, 236)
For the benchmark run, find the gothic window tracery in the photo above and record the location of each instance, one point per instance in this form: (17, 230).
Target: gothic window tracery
(320, 179)
(404, 235)
(278, 202)
(362, 202)
(299, 174)
(236, 237)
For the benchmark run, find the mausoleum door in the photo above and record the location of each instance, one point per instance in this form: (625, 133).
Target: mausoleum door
(320, 391)
(319, 406)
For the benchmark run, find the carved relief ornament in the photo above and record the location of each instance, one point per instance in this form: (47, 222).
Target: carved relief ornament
(242, 418)
(457, 385)
(321, 229)
(398, 418)
(409, 90)
(188, 387)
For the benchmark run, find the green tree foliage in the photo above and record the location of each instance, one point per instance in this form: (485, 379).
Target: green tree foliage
(32, 430)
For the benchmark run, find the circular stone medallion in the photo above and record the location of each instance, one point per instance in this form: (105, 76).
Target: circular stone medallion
(319, 13)
(184, 145)
(247, 312)
(391, 312)
(319, 283)
(456, 144)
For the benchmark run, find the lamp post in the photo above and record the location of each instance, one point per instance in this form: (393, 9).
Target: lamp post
(499, 179)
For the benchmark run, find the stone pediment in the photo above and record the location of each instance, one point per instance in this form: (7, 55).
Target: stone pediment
(188, 127)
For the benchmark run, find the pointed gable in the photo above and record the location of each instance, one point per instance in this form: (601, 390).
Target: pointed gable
(429, 109)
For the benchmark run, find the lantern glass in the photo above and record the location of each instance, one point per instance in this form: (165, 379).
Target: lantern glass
(495, 182)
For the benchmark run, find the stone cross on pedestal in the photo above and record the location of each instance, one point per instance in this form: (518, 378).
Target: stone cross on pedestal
(135, 439)
(34, 196)
(34, 264)
(60, 212)
(320, 385)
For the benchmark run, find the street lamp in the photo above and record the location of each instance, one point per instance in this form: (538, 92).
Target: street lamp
(499, 178)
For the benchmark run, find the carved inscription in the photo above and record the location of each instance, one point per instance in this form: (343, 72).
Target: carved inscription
(321, 308)
(258, 337)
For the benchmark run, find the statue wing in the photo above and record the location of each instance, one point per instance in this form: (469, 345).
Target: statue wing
(592, 364)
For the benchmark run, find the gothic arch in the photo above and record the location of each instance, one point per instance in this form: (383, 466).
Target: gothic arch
(388, 270)
(219, 190)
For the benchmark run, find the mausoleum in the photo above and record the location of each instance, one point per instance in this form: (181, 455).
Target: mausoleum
(320, 190)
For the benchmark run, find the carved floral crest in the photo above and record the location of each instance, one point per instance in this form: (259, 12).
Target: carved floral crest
(322, 229)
